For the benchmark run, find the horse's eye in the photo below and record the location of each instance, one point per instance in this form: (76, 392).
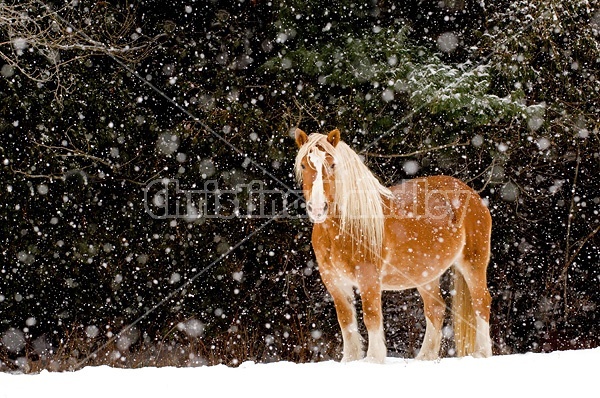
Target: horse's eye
(303, 166)
(332, 166)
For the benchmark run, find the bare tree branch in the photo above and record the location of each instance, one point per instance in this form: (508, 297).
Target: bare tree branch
(419, 152)
(39, 42)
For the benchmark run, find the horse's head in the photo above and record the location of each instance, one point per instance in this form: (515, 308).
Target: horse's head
(315, 167)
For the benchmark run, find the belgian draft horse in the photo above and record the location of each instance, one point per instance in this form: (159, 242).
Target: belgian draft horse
(373, 238)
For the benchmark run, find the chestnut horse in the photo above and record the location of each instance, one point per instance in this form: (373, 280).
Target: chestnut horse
(373, 238)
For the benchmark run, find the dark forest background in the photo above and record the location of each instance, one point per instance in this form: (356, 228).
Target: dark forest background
(109, 110)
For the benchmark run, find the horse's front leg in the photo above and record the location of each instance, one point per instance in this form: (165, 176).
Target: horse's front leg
(369, 284)
(343, 298)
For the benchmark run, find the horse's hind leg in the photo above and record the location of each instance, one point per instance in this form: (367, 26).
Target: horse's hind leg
(473, 269)
(435, 309)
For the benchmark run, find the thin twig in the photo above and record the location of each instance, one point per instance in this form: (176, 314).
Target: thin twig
(576, 253)
(74, 152)
(50, 177)
(570, 218)
(427, 150)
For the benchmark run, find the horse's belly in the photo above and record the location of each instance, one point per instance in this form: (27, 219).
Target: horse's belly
(418, 251)
(400, 278)
(406, 269)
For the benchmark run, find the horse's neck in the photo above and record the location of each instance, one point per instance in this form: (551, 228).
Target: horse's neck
(388, 205)
(386, 202)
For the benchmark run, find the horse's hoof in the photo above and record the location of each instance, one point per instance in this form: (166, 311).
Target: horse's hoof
(351, 358)
(481, 354)
(371, 359)
(427, 357)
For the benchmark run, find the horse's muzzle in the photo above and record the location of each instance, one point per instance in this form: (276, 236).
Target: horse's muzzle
(317, 214)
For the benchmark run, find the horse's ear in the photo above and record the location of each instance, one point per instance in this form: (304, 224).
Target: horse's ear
(334, 137)
(301, 137)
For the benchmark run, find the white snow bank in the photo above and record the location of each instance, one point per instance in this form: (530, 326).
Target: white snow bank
(558, 374)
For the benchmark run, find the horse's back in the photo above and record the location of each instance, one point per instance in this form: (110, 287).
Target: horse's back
(440, 196)
(468, 211)
(444, 202)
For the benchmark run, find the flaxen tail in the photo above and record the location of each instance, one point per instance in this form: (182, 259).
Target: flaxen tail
(465, 328)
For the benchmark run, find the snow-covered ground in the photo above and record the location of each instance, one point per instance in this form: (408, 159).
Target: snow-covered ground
(558, 374)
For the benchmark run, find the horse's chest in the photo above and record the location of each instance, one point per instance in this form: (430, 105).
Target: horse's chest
(333, 251)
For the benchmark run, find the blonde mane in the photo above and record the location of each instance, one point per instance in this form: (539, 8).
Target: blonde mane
(358, 194)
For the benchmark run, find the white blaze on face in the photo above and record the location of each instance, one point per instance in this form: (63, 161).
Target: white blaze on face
(317, 203)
